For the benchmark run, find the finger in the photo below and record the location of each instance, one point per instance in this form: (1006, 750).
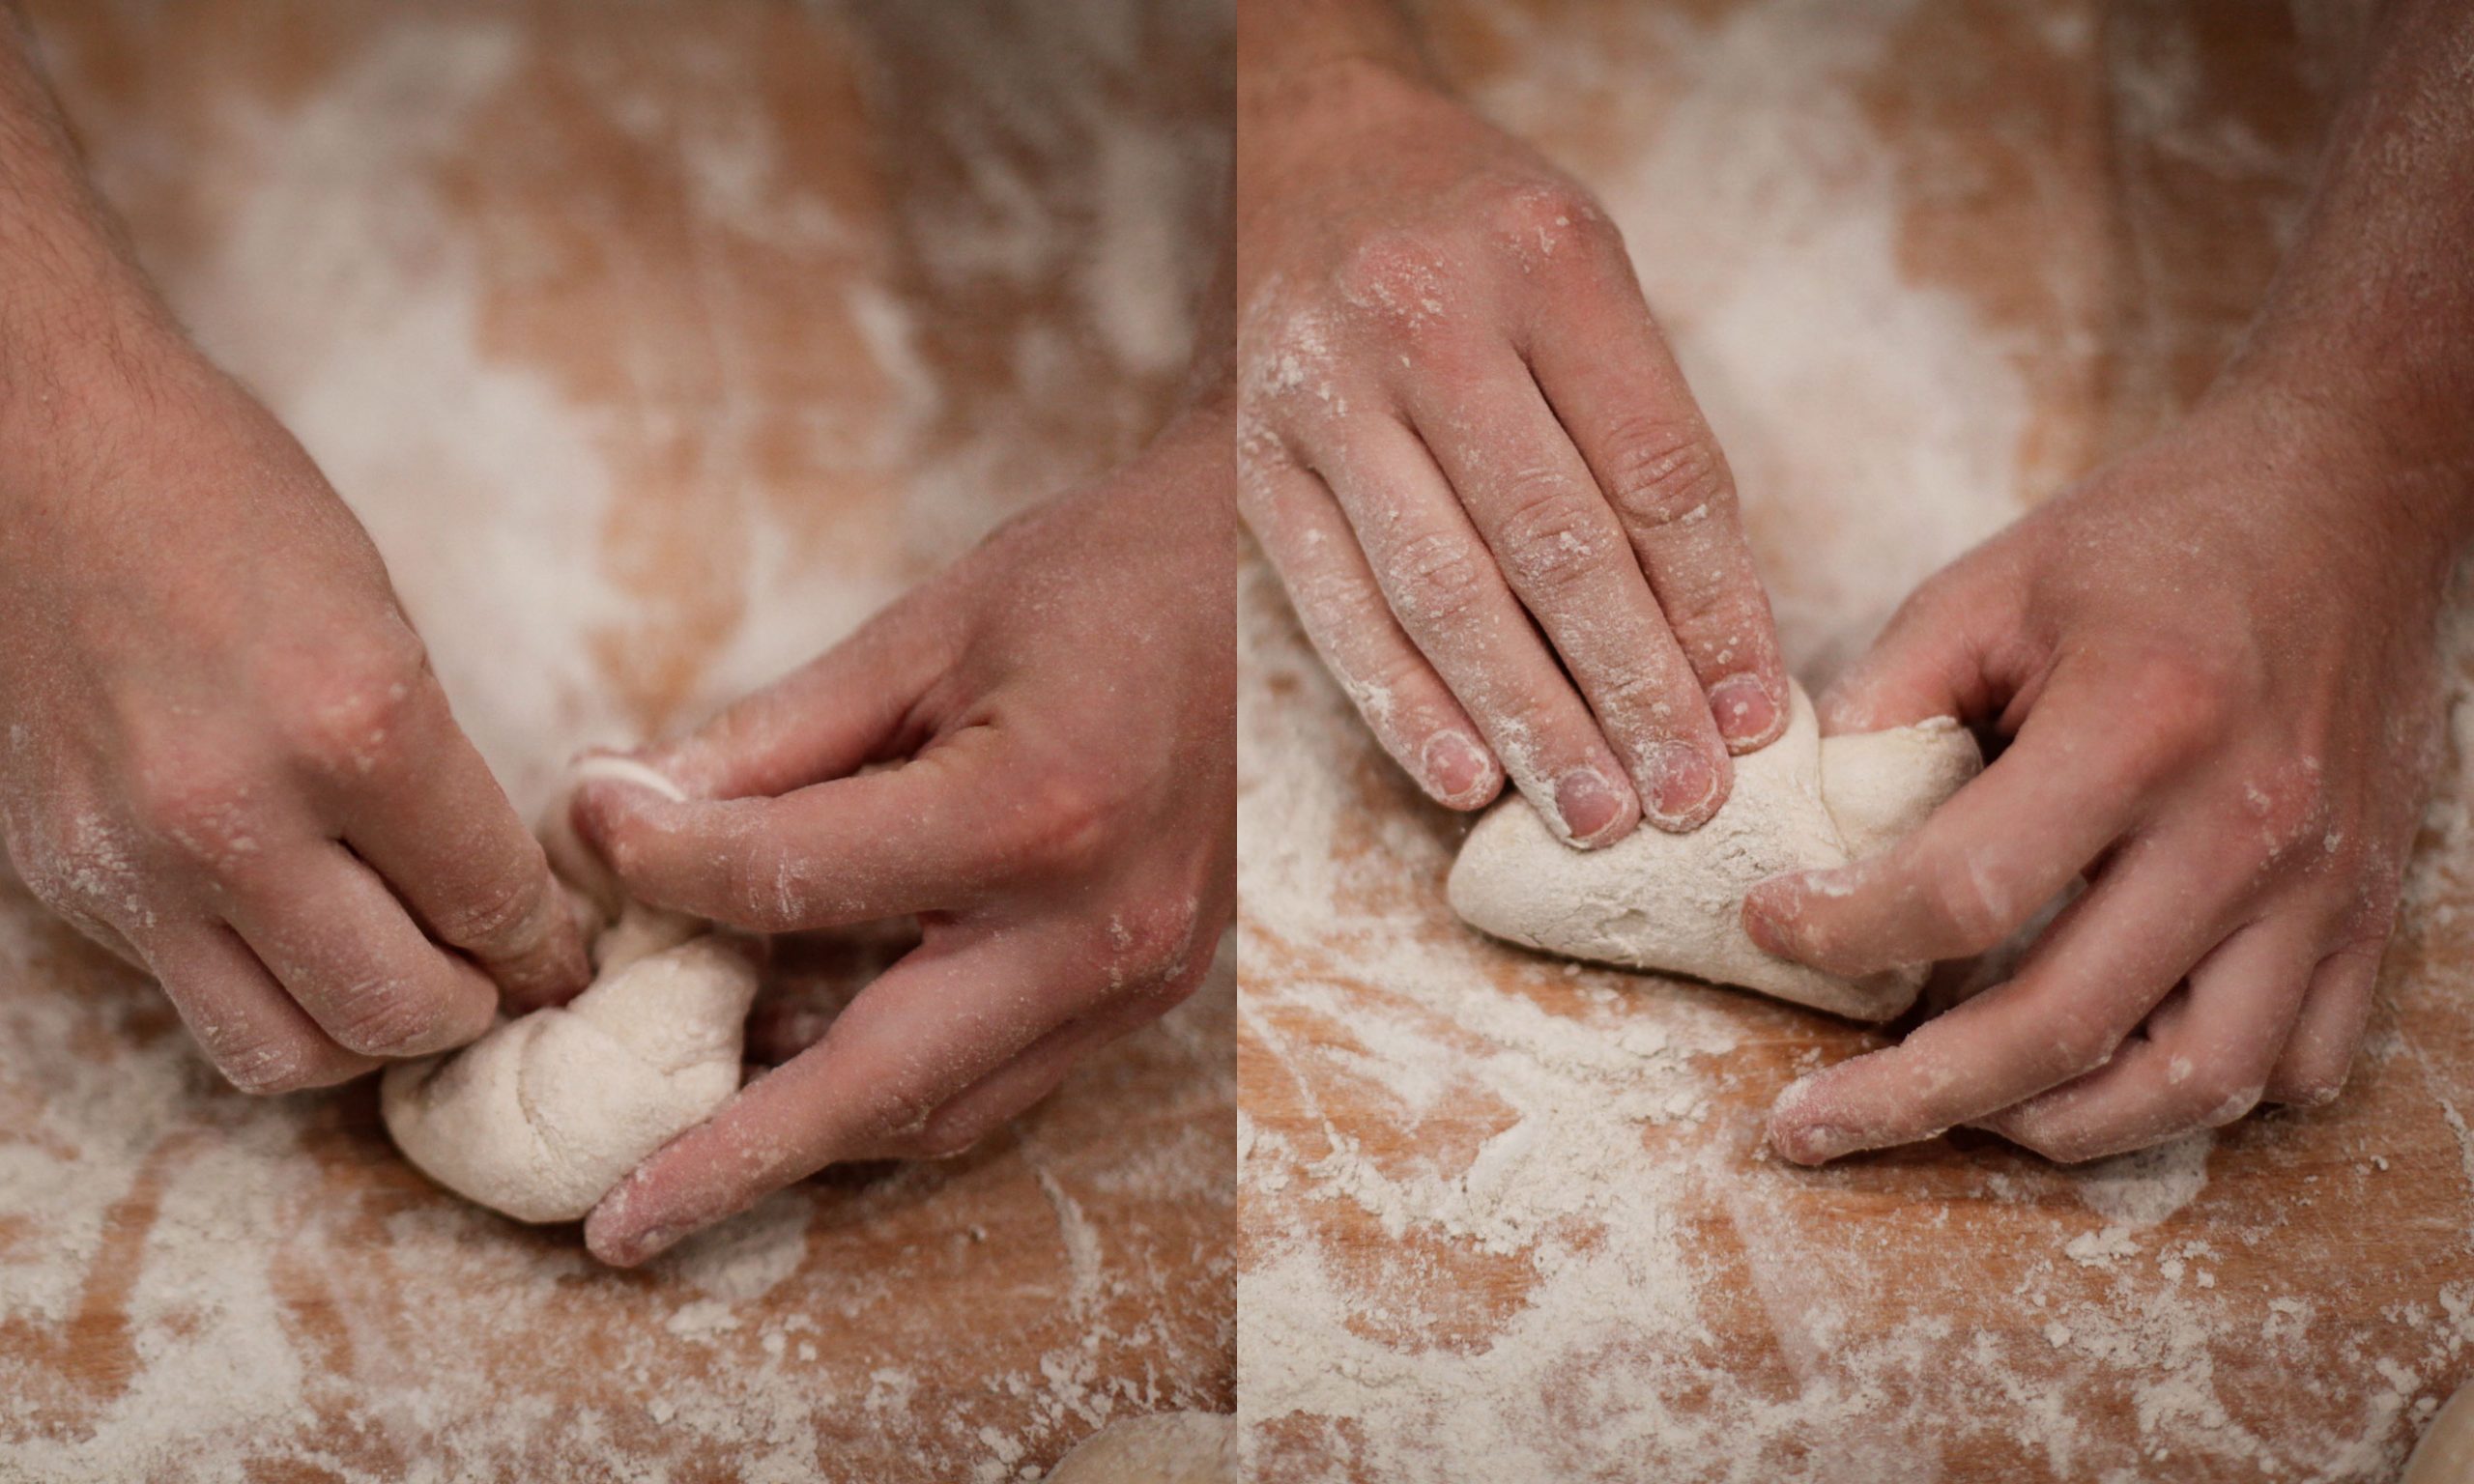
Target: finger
(929, 835)
(254, 1034)
(2108, 959)
(1995, 852)
(1001, 1095)
(2204, 1063)
(1932, 660)
(939, 1021)
(1443, 585)
(441, 833)
(849, 706)
(342, 947)
(1603, 367)
(1568, 560)
(2319, 1054)
(1341, 608)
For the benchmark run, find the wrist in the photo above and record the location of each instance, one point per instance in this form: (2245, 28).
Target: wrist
(73, 348)
(2401, 488)
(1296, 129)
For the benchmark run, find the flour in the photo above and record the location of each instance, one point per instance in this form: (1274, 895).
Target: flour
(615, 337)
(1510, 1218)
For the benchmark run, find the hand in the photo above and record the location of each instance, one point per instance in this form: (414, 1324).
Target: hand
(2216, 663)
(226, 757)
(1058, 710)
(1463, 444)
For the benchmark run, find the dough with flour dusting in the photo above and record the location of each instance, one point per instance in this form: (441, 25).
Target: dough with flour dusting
(1670, 902)
(1168, 1447)
(541, 1116)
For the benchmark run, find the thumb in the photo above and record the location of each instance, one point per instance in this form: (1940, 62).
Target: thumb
(853, 705)
(1931, 659)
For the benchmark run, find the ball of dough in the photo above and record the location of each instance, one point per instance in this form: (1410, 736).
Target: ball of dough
(540, 1117)
(1669, 904)
(2445, 1455)
(1168, 1447)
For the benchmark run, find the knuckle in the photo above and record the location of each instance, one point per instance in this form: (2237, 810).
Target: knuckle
(496, 916)
(1063, 818)
(768, 889)
(202, 810)
(350, 716)
(382, 1018)
(1438, 579)
(1546, 217)
(1550, 538)
(1151, 944)
(1667, 473)
(1395, 275)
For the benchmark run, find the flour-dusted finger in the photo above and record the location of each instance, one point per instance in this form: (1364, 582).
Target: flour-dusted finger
(249, 1027)
(2105, 963)
(1998, 852)
(343, 947)
(432, 821)
(851, 705)
(1568, 560)
(1450, 598)
(1605, 369)
(2318, 1055)
(1938, 655)
(932, 834)
(1340, 605)
(2205, 1061)
(995, 1100)
(938, 1022)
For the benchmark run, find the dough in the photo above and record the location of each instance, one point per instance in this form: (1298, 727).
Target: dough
(2446, 1453)
(1168, 1447)
(541, 1116)
(1670, 902)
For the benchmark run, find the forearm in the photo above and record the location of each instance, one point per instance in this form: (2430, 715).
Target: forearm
(2369, 331)
(71, 298)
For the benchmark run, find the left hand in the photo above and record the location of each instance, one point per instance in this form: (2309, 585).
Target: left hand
(2216, 663)
(1058, 713)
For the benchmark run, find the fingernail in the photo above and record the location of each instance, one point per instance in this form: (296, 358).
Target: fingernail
(1745, 710)
(1817, 1143)
(1588, 803)
(1681, 784)
(1454, 767)
(627, 1251)
(1759, 923)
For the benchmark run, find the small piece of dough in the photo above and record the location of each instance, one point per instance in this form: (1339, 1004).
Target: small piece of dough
(541, 1116)
(1168, 1447)
(1671, 904)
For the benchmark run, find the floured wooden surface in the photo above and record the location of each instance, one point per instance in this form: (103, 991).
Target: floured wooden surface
(1510, 1218)
(658, 345)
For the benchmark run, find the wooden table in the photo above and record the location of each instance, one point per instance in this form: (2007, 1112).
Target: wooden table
(1507, 1218)
(658, 345)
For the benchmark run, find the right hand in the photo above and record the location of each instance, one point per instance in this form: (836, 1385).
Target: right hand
(222, 752)
(1457, 418)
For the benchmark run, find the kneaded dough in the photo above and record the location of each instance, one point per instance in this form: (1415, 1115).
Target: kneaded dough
(1671, 902)
(1168, 1447)
(2445, 1455)
(543, 1115)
